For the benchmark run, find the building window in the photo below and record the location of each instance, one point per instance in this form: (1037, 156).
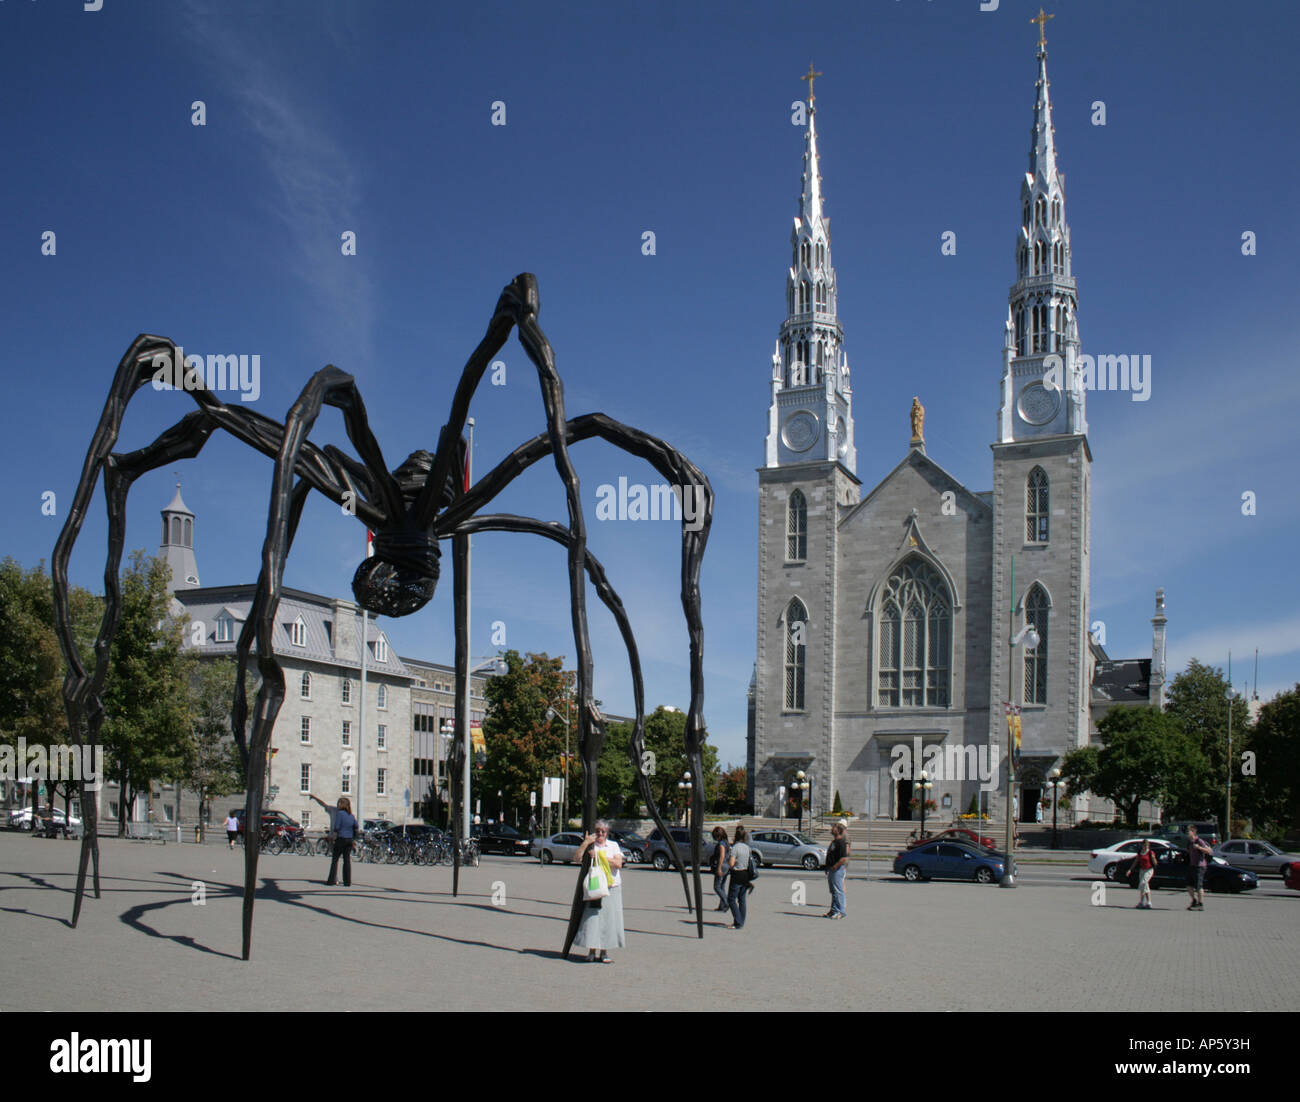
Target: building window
(1036, 660)
(306, 686)
(796, 528)
(347, 732)
(915, 639)
(304, 779)
(794, 628)
(298, 633)
(346, 691)
(381, 780)
(345, 780)
(381, 696)
(381, 739)
(225, 629)
(306, 729)
(1036, 507)
(304, 817)
(381, 649)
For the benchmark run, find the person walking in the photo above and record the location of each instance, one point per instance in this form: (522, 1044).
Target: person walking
(1198, 861)
(738, 862)
(837, 863)
(1146, 863)
(343, 829)
(232, 829)
(721, 868)
(601, 926)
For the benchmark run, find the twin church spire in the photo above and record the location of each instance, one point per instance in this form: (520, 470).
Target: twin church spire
(810, 416)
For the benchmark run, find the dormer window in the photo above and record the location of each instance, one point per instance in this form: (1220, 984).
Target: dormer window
(225, 629)
(381, 649)
(298, 632)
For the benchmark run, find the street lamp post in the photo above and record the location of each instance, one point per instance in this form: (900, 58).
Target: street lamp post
(801, 786)
(1227, 817)
(1055, 782)
(924, 787)
(683, 790)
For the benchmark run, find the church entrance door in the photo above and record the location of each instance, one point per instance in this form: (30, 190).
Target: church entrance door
(1030, 798)
(904, 800)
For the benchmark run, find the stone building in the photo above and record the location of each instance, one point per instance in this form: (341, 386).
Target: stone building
(885, 621)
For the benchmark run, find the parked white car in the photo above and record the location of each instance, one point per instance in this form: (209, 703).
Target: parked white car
(22, 820)
(1104, 861)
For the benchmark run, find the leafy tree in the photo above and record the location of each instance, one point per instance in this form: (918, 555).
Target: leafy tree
(1145, 755)
(733, 790)
(523, 745)
(210, 762)
(616, 779)
(1197, 698)
(1271, 796)
(665, 740)
(147, 720)
(31, 664)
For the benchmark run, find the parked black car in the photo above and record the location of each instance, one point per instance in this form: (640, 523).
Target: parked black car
(633, 843)
(658, 854)
(500, 838)
(1171, 872)
(276, 821)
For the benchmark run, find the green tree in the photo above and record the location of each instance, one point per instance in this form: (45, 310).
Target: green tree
(1145, 755)
(147, 720)
(733, 790)
(1197, 698)
(210, 762)
(1270, 794)
(617, 789)
(523, 744)
(31, 663)
(665, 741)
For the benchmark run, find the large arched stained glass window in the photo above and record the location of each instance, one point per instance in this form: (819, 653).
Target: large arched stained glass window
(914, 639)
(1037, 525)
(1036, 606)
(796, 528)
(794, 627)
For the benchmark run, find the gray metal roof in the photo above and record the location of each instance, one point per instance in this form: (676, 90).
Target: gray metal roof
(1122, 681)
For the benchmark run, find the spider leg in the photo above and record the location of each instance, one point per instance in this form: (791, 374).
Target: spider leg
(460, 596)
(683, 474)
(503, 522)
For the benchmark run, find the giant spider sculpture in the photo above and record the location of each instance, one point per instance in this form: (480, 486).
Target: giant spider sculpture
(410, 510)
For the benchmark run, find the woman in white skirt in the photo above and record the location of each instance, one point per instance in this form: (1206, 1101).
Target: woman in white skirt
(601, 927)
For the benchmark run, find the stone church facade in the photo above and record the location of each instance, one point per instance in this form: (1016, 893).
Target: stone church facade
(885, 621)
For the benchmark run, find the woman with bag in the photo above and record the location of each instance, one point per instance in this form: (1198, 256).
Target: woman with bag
(740, 878)
(601, 927)
(720, 867)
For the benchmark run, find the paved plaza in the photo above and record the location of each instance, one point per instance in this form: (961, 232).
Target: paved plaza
(397, 940)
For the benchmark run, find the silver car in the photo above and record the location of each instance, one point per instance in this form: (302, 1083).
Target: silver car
(564, 847)
(1261, 858)
(787, 847)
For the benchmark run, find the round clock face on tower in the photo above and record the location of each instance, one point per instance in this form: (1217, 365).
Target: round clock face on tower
(1038, 404)
(800, 431)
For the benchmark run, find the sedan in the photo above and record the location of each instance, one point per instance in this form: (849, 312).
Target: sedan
(1106, 861)
(563, 847)
(951, 861)
(631, 843)
(1171, 872)
(22, 820)
(500, 838)
(958, 834)
(1261, 858)
(786, 847)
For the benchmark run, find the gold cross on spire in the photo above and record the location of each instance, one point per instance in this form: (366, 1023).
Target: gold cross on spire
(810, 76)
(1041, 19)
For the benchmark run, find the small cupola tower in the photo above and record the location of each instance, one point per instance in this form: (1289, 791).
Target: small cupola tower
(178, 543)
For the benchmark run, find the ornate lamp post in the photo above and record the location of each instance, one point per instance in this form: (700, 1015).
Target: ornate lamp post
(1056, 784)
(801, 787)
(683, 791)
(923, 787)
(1028, 637)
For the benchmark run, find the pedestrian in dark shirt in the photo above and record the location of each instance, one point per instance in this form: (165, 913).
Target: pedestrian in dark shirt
(343, 829)
(721, 867)
(1198, 861)
(837, 863)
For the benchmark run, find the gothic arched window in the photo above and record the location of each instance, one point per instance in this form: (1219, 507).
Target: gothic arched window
(1020, 331)
(794, 627)
(1040, 211)
(1036, 607)
(1040, 328)
(176, 530)
(914, 639)
(796, 528)
(1037, 522)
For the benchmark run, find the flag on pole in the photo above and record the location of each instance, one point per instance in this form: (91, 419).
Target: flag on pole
(370, 544)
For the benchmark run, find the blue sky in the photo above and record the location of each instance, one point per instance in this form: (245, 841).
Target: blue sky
(376, 118)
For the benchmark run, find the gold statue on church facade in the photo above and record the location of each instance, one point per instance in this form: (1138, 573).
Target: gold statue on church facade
(918, 421)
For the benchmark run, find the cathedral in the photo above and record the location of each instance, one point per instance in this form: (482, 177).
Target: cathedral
(908, 629)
